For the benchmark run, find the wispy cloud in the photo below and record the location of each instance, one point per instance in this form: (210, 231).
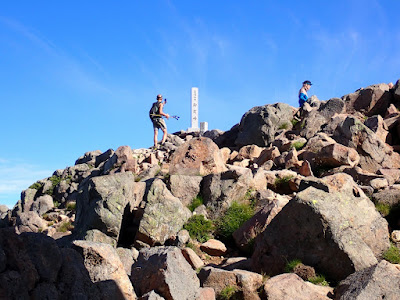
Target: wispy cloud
(65, 66)
(16, 176)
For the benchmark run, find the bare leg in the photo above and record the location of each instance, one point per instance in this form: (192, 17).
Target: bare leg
(164, 135)
(155, 136)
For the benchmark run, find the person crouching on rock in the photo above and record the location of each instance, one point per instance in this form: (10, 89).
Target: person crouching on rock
(156, 113)
(303, 92)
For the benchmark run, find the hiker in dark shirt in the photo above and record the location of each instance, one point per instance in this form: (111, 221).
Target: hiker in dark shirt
(156, 114)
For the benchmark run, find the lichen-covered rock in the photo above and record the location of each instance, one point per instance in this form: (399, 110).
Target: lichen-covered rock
(374, 154)
(343, 232)
(106, 270)
(184, 187)
(163, 216)
(381, 281)
(219, 191)
(105, 200)
(259, 125)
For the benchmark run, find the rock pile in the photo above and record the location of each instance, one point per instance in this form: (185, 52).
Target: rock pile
(321, 187)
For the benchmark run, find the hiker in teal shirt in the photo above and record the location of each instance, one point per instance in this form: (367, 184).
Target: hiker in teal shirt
(303, 92)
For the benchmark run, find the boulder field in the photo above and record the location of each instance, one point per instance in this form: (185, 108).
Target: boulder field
(287, 204)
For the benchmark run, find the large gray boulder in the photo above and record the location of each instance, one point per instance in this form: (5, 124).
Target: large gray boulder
(185, 187)
(165, 270)
(106, 270)
(163, 215)
(381, 281)
(259, 125)
(105, 200)
(374, 154)
(220, 190)
(337, 231)
(42, 204)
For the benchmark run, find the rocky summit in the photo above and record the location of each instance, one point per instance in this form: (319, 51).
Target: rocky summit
(287, 204)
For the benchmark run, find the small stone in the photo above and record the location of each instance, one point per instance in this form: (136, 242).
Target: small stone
(213, 247)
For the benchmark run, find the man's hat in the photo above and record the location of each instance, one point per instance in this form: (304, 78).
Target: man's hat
(307, 82)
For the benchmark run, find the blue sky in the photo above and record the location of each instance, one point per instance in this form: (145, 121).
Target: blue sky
(78, 76)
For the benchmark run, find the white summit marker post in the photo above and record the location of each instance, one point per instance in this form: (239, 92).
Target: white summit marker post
(194, 110)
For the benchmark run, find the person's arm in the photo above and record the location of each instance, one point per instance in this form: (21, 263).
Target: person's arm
(161, 111)
(303, 97)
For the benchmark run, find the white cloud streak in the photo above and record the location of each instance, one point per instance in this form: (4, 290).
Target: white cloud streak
(70, 70)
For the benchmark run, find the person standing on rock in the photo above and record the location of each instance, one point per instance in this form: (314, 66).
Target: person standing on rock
(303, 92)
(156, 113)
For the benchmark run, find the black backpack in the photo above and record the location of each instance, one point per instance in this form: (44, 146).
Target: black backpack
(154, 111)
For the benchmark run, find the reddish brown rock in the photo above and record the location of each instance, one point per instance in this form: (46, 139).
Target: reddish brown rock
(199, 156)
(213, 247)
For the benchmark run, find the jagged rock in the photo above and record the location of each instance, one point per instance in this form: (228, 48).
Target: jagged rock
(227, 139)
(128, 257)
(74, 281)
(106, 270)
(335, 155)
(199, 156)
(88, 158)
(105, 200)
(374, 154)
(225, 153)
(122, 160)
(192, 258)
(213, 134)
(213, 247)
(95, 235)
(379, 183)
(245, 282)
(389, 196)
(396, 92)
(220, 190)
(247, 233)
(315, 119)
(342, 223)
(377, 125)
(165, 270)
(175, 140)
(391, 175)
(30, 222)
(151, 296)
(20, 275)
(232, 263)
(291, 286)
(185, 187)
(163, 216)
(249, 152)
(259, 125)
(102, 158)
(381, 281)
(359, 175)
(305, 169)
(149, 172)
(27, 198)
(42, 204)
(372, 100)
